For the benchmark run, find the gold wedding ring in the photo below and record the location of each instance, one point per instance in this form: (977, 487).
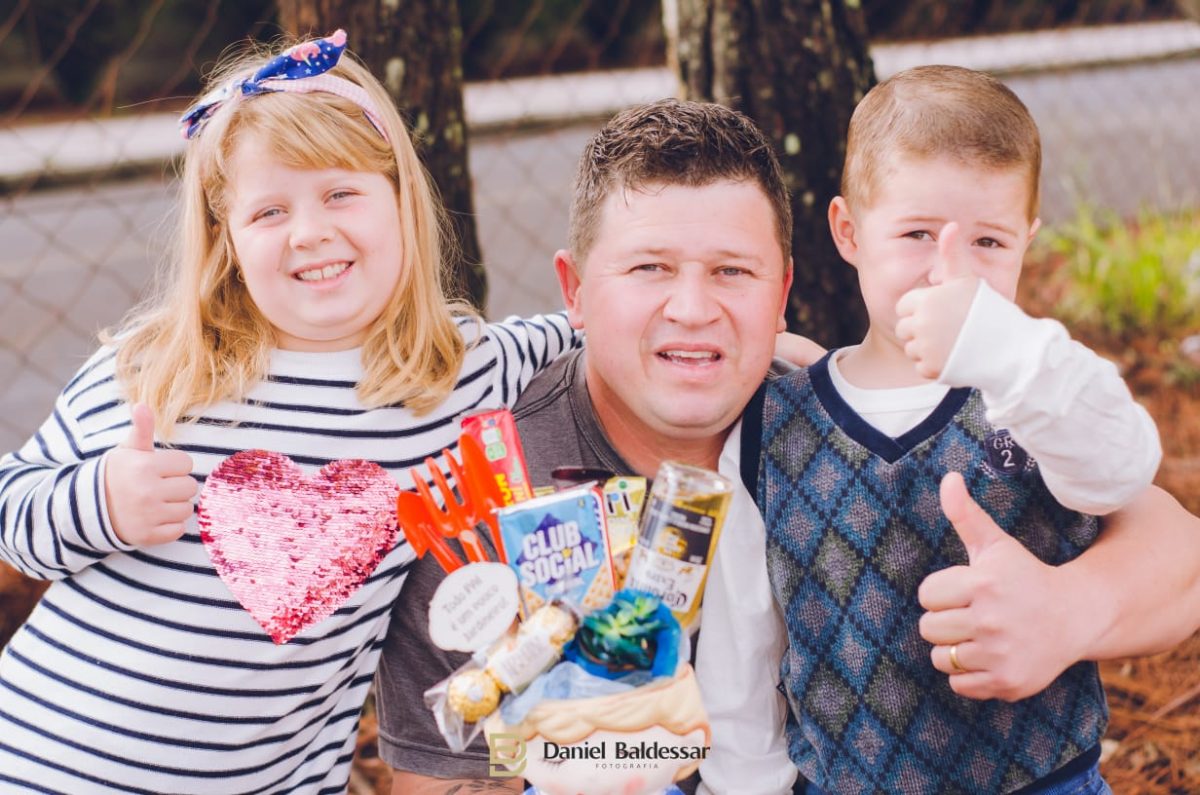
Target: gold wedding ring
(954, 663)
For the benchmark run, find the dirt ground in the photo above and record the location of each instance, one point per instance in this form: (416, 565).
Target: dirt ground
(1153, 745)
(1155, 701)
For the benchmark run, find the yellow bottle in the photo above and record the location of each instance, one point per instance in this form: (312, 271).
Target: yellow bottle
(677, 538)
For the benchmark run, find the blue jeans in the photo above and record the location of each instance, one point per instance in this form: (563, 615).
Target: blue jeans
(1086, 782)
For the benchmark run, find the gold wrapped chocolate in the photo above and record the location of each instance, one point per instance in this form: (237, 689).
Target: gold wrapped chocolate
(552, 621)
(473, 694)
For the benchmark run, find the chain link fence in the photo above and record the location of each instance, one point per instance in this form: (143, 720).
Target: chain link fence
(89, 90)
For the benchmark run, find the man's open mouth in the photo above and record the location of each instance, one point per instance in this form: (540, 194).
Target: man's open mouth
(690, 357)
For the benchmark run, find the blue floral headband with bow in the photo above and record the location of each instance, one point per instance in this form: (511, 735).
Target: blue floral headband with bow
(301, 69)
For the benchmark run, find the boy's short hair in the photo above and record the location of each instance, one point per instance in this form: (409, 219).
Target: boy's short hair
(931, 111)
(674, 142)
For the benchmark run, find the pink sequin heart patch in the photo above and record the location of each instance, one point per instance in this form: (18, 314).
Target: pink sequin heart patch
(292, 547)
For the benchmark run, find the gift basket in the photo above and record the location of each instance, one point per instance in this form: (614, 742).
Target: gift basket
(576, 607)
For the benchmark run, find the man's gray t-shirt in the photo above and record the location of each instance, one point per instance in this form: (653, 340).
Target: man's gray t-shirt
(558, 427)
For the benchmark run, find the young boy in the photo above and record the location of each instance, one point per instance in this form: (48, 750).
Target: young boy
(939, 204)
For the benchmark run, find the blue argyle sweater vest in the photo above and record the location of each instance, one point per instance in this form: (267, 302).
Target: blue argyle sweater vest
(854, 524)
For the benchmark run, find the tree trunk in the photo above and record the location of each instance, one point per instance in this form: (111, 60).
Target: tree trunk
(798, 68)
(415, 48)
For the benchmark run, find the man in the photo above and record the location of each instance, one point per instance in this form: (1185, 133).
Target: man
(678, 268)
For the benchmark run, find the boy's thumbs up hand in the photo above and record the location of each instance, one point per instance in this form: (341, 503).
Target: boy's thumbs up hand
(952, 254)
(929, 319)
(1007, 615)
(149, 491)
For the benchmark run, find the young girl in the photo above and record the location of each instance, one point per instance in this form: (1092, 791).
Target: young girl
(304, 317)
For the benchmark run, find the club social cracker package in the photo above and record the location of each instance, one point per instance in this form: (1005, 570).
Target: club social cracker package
(558, 546)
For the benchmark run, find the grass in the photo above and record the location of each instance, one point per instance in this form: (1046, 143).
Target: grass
(1123, 279)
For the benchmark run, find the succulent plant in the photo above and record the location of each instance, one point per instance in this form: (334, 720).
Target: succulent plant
(622, 635)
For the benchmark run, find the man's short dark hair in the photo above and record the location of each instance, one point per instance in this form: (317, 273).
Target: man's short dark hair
(674, 142)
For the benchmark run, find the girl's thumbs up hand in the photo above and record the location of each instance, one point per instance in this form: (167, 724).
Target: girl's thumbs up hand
(149, 491)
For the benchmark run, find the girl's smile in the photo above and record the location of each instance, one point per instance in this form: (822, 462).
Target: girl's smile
(323, 276)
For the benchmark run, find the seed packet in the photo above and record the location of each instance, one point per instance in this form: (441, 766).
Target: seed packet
(497, 433)
(623, 498)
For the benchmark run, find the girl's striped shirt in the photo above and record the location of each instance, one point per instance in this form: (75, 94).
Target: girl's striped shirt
(139, 671)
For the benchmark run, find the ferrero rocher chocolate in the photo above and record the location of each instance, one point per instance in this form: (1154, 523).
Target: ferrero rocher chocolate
(516, 660)
(473, 694)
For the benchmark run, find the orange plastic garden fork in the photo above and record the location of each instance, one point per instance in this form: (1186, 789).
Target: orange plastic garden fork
(482, 492)
(421, 516)
(453, 520)
(421, 534)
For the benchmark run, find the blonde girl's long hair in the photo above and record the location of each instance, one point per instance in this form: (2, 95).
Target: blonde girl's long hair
(200, 339)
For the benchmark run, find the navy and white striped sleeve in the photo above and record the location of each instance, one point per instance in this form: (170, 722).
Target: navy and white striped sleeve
(53, 515)
(526, 346)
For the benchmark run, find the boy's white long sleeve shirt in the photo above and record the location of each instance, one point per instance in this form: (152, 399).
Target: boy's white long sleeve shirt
(1067, 406)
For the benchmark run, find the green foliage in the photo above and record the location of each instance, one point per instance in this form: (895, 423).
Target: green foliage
(139, 49)
(1141, 277)
(1184, 357)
